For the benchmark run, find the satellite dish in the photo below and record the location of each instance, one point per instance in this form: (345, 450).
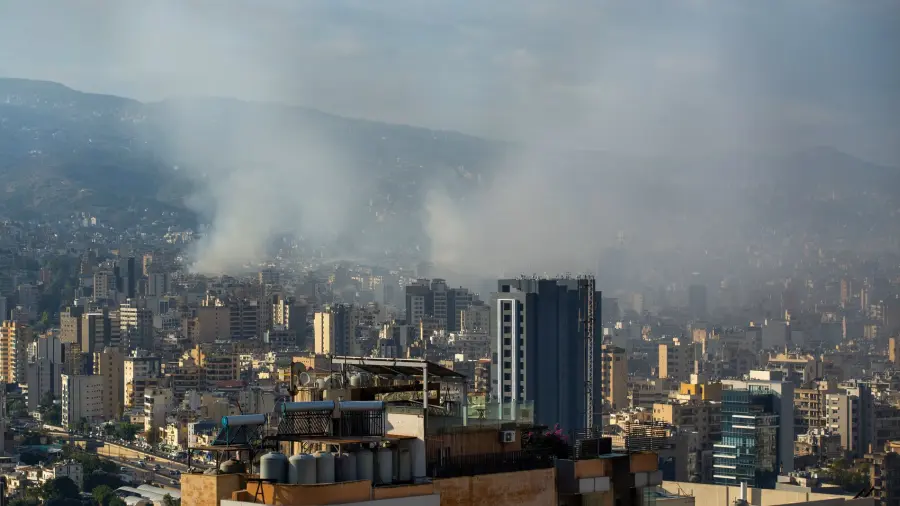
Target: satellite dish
(304, 379)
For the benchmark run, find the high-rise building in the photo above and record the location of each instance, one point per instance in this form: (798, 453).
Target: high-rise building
(290, 313)
(82, 399)
(246, 320)
(104, 285)
(98, 331)
(458, 300)
(697, 304)
(14, 339)
(615, 374)
(419, 301)
(851, 413)
(757, 442)
(476, 317)
(333, 331)
(158, 284)
(136, 323)
(676, 360)
(44, 369)
(269, 276)
(211, 323)
(439, 294)
(538, 348)
(109, 364)
(29, 298)
(146, 260)
(141, 370)
(129, 278)
(70, 324)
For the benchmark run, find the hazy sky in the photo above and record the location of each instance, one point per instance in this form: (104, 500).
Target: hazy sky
(654, 76)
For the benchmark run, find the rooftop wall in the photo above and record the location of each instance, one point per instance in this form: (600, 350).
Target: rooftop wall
(208, 490)
(721, 494)
(524, 488)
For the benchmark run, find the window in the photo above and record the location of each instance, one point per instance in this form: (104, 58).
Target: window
(507, 353)
(506, 305)
(507, 318)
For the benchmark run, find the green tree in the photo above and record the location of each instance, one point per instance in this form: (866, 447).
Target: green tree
(59, 488)
(102, 494)
(16, 408)
(63, 501)
(25, 501)
(127, 431)
(102, 479)
(50, 410)
(168, 500)
(115, 501)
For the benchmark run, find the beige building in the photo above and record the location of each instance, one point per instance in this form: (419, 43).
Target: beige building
(893, 352)
(141, 370)
(14, 339)
(212, 323)
(644, 393)
(809, 405)
(82, 399)
(109, 364)
(676, 360)
(702, 417)
(615, 377)
(157, 403)
(797, 367)
(99, 330)
(331, 331)
(136, 323)
(70, 325)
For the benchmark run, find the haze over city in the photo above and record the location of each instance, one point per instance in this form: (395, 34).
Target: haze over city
(449, 253)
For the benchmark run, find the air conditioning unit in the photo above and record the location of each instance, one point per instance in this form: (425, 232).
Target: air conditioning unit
(508, 436)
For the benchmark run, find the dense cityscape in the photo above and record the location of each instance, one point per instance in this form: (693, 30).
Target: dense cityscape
(660, 267)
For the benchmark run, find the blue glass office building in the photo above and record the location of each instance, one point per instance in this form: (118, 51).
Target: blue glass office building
(748, 451)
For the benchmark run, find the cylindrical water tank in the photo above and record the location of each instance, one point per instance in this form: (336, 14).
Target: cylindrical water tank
(320, 383)
(302, 469)
(385, 466)
(346, 467)
(324, 467)
(404, 472)
(365, 465)
(273, 466)
(355, 380)
(396, 458)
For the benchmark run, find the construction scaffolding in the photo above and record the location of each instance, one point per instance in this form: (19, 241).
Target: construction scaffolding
(588, 321)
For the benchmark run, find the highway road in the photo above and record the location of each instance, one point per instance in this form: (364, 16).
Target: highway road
(163, 477)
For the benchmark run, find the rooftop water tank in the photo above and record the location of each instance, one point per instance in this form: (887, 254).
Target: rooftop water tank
(273, 467)
(365, 465)
(346, 467)
(302, 469)
(385, 466)
(324, 467)
(356, 381)
(404, 473)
